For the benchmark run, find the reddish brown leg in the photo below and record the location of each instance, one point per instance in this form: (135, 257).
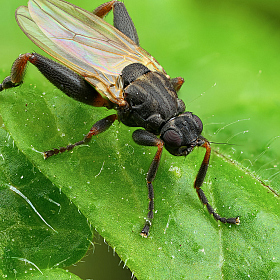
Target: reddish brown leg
(62, 77)
(177, 83)
(104, 9)
(122, 20)
(17, 72)
(97, 128)
(199, 181)
(145, 138)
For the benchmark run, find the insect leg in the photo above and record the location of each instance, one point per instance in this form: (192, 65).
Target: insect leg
(62, 77)
(102, 10)
(122, 20)
(199, 181)
(177, 83)
(17, 73)
(145, 138)
(97, 128)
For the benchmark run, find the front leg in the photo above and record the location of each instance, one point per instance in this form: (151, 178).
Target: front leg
(199, 181)
(145, 138)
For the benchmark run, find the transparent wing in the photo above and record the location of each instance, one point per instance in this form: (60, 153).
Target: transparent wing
(83, 42)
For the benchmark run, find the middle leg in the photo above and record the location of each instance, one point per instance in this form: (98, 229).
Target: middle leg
(97, 128)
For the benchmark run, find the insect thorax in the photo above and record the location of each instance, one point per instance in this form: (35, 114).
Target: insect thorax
(152, 102)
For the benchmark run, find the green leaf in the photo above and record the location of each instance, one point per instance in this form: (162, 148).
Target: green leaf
(106, 180)
(231, 55)
(40, 228)
(57, 273)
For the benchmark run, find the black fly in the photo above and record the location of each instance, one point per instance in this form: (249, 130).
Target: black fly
(106, 67)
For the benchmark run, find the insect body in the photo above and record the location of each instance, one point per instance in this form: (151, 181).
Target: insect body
(106, 67)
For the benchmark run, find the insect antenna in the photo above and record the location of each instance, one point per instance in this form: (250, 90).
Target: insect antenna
(218, 143)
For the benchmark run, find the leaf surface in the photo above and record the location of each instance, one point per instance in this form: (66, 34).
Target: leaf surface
(230, 55)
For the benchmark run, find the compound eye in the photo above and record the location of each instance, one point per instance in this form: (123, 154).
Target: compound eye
(172, 138)
(198, 122)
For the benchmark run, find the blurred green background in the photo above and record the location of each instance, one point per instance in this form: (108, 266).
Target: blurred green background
(228, 54)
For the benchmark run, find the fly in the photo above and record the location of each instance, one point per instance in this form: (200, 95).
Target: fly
(104, 66)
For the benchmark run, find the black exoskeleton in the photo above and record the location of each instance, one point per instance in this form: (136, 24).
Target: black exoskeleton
(151, 98)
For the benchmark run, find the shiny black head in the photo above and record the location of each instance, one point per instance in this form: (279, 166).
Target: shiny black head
(182, 133)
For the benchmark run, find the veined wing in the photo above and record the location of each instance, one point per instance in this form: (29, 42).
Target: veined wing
(83, 42)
